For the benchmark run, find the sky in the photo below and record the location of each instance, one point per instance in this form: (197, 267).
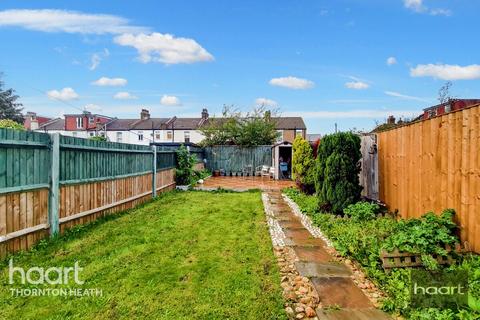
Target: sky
(349, 62)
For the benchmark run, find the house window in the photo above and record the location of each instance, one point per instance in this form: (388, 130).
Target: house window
(79, 122)
(186, 135)
(157, 136)
(169, 135)
(119, 137)
(92, 134)
(91, 120)
(140, 136)
(299, 133)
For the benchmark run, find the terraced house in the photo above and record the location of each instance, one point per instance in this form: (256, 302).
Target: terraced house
(146, 130)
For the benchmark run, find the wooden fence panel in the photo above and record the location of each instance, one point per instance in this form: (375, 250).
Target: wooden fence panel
(96, 178)
(433, 165)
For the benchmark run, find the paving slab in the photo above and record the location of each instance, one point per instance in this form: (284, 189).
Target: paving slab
(293, 224)
(352, 314)
(341, 292)
(312, 254)
(324, 269)
(297, 233)
(313, 242)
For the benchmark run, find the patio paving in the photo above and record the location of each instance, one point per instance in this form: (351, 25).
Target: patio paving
(244, 183)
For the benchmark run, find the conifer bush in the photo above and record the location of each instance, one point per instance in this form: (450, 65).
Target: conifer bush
(337, 167)
(303, 165)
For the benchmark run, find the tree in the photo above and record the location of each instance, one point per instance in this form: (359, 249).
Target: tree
(337, 168)
(252, 129)
(444, 92)
(9, 107)
(185, 163)
(303, 165)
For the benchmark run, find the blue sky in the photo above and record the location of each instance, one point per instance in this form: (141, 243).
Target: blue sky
(323, 60)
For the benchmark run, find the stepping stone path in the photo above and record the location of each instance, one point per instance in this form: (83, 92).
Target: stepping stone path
(316, 286)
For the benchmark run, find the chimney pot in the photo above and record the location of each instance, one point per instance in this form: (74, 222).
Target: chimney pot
(144, 114)
(391, 120)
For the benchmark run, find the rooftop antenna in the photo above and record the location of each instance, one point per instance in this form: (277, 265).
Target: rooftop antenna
(336, 128)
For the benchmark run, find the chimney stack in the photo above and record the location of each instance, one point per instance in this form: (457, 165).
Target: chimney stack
(144, 114)
(391, 120)
(204, 114)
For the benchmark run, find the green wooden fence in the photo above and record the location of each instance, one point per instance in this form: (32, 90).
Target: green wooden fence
(233, 159)
(30, 161)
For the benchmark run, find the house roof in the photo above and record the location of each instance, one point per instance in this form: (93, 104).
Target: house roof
(187, 123)
(137, 124)
(54, 124)
(289, 123)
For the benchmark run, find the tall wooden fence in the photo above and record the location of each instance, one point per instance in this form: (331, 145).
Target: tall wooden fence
(233, 159)
(433, 165)
(50, 183)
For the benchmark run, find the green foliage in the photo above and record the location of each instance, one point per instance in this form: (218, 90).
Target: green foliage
(185, 161)
(201, 174)
(10, 124)
(362, 210)
(337, 169)
(9, 107)
(303, 165)
(98, 138)
(363, 240)
(426, 236)
(253, 129)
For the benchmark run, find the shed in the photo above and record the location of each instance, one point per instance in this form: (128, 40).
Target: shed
(282, 151)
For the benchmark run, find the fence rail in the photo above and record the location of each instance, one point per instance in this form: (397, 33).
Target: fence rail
(433, 165)
(50, 182)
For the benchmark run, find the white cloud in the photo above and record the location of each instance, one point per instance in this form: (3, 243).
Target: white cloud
(446, 71)
(97, 57)
(112, 82)
(123, 95)
(357, 85)
(353, 114)
(391, 61)
(164, 48)
(171, 101)
(266, 102)
(292, 83)
(404, 96)
(419, 7)
(92, 107)
(48, 20)
(65, 94)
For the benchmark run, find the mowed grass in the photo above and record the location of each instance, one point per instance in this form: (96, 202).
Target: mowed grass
(190, 255)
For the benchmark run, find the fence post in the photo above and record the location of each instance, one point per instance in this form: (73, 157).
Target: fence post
(53, 209)
(154, 173)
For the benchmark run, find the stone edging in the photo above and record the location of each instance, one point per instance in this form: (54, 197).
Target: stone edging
(276, 232)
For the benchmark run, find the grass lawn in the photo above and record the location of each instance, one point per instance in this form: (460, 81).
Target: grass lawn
(191, 255)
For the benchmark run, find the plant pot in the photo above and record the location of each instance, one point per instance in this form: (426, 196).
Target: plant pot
(183, 188)
(216, 173)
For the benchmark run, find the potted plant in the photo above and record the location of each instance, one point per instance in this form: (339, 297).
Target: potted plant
(184, 175)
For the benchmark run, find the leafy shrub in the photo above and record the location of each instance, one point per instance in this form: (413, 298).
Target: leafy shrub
(427, 235)
(337, 169)
(362, 210)
(362, 240)
(98, 138)
(10, 124)
(185, 162)
(303, 165)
